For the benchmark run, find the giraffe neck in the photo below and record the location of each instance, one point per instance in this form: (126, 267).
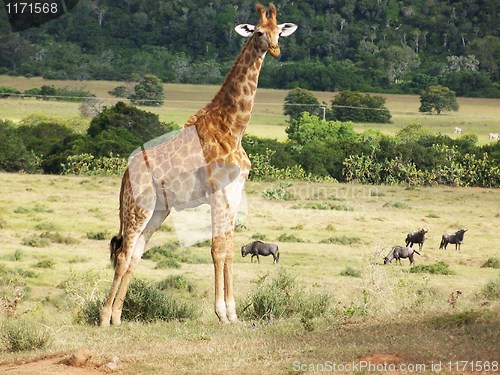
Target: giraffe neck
(235, 98)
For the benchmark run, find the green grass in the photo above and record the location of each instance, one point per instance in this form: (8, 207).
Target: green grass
(477, 116)
(360, 317)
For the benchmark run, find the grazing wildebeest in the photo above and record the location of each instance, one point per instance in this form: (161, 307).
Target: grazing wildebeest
(494, 136)
(261, 248)
(399, 252)
(416, 237)
(455, 238)
(458, 131)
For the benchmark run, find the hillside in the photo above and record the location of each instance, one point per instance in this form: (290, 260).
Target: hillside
(385, 45)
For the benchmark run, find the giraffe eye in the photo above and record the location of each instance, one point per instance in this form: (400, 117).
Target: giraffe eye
(260, 33)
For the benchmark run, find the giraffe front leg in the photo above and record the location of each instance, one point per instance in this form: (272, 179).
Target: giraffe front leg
(228, 282)
(219, 258)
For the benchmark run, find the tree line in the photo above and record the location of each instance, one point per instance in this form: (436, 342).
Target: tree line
(368, 45)
(316, 149)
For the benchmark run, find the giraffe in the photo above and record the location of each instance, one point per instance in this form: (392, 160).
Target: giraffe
(204, 164)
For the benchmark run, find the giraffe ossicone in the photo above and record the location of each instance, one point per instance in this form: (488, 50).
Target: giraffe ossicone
(204, 163)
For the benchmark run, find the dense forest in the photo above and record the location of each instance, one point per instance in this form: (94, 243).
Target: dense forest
(366, 45)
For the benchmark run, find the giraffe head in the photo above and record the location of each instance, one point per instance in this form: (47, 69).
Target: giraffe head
(266, 33)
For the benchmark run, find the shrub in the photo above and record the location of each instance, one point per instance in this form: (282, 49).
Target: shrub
(17, 255)
(439, 268)
(166, 256)
(149, 91)
(325, 206)
(178, 282)
(6, 92)
(282, 297)
(20, 335)
(438, 98)
(285, 237)
(36, 241)
(89, 165)
(59, 238)
(46, 263)
(492, 289)
(64, 94)
(99, 236)
(460, 319)
(279, 193)
(147, 303)
(342, 240)
(40, 133)
(349, 271)
(14, 156)
(299, 100)
(259, 236)
(120, 92)
(357, 107)
(492, 262)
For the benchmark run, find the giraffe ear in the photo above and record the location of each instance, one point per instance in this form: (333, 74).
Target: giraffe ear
(245, 29)
(287, 29)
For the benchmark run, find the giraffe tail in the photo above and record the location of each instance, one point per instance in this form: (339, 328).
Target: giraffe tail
(114, 248)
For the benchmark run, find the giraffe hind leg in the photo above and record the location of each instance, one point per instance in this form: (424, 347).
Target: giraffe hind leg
(152, 226)
(121, 258)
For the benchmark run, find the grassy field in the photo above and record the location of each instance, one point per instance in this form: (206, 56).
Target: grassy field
(479, 116)
(385, 310)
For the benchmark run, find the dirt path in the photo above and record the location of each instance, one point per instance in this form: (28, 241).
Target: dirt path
(57, 364)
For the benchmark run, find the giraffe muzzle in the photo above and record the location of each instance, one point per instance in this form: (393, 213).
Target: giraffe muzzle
(275, 51)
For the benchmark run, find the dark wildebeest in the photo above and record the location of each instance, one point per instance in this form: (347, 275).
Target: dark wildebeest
(416, 237)
(261, 248)
(399, 252)
(456, 239)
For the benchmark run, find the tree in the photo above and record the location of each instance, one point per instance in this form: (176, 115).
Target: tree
(298, 101)
(149, 91)
(438, 98)
(357, 107)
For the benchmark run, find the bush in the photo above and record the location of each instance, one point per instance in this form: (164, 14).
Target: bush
(146, 302)
(460, 319)
(99, 236)
(438, 98)
(36, 241)
(279, 193)
(148, 92)
(120, 92)
(46, 263)
(492, 289)
(492, 262)
(297, 101)
(178, 282)
(282, 297)
(62, 94)
(357, 107)
(20, 335)
(14, 156)
(349, 271)
(166, 256)
(342, 240)
(59, 238)
(6, 92)
(439, 268)
(285, 237)
(89, 165)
